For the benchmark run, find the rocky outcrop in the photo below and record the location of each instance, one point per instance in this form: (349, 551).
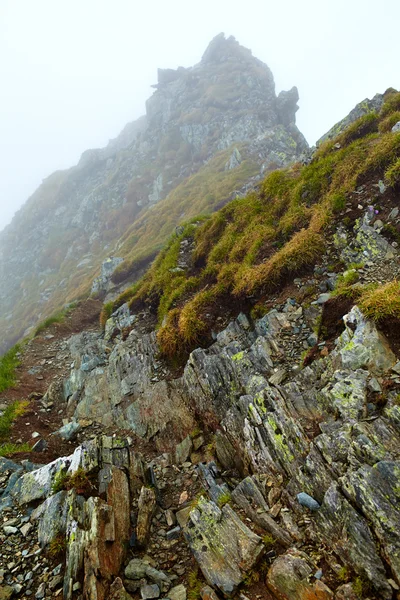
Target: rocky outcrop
(224, 547)
(58, 241)
(362, 108)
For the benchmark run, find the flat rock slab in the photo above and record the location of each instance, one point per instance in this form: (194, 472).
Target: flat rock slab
(225, 549)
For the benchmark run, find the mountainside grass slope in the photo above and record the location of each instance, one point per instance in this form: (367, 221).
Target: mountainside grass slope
(254, 244)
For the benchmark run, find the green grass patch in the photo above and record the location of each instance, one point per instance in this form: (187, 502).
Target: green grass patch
(12, 412)
(8, 448)
(8, 364)
(58, 317)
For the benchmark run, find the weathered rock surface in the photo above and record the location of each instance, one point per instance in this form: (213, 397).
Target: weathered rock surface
(222, 545)
(289, 578)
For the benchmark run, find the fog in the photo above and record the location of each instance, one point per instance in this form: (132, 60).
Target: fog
(74, 72)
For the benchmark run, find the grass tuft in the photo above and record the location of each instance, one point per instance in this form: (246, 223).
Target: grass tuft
(381, 302)
(8, 363)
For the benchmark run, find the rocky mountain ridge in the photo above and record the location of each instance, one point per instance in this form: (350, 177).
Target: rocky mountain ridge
(278, 480)
(229, 427)
(220, 119)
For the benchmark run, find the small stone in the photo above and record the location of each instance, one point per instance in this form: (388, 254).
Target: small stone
(183, 450)
(323, 298)
(374, 385)
(278, 377)
(318, 574)
(170, 517)
(25, 529)
(40, 446)
(9, 530)
(41, 591)
(396, 368)
(174, 534)
(76, 587)
(207, 593)
(148, 592)
(35, 435)
(177, 593)
(307, 501)
(17, 587)
(312, 340)
(183, 497)
(393, 584)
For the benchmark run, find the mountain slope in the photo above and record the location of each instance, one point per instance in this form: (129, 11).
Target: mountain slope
(209, 131)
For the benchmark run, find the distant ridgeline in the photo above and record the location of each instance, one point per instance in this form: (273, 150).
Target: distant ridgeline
(209, 134)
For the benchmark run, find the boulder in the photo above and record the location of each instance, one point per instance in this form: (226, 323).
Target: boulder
(225, 549)
(289, 578)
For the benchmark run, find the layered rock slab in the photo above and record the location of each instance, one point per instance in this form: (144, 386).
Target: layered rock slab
(225, 549)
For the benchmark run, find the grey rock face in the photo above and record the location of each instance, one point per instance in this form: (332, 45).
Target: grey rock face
(101, 284)
(222, 545)
(361, 109)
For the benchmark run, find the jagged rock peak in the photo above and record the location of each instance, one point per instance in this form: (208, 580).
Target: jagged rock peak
(222, 49)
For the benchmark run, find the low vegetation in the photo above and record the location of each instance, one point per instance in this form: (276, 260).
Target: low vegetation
(79, 481)
(254, 244)
(58, 317)
(8, 364)
(7, 418)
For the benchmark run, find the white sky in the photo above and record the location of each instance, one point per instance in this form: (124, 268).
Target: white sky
(74, 72)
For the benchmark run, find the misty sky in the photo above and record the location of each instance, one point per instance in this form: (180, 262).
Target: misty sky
(74, 72)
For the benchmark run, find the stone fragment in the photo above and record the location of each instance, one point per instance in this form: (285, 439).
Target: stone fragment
(346, 592)
(10, 530)
(177, 593)
(307, 501)
(52, 516)
(40, 446)
(25, 529)
(207, 593)
(361, 345)
(183, 450)
(136, 569)
(173, 534)
(182, 516)
(288, 578)
(146, 507)
(149, 592)
(69, 431)
(223, 546)
(278, 377)
(118, 591)
(41, 591)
